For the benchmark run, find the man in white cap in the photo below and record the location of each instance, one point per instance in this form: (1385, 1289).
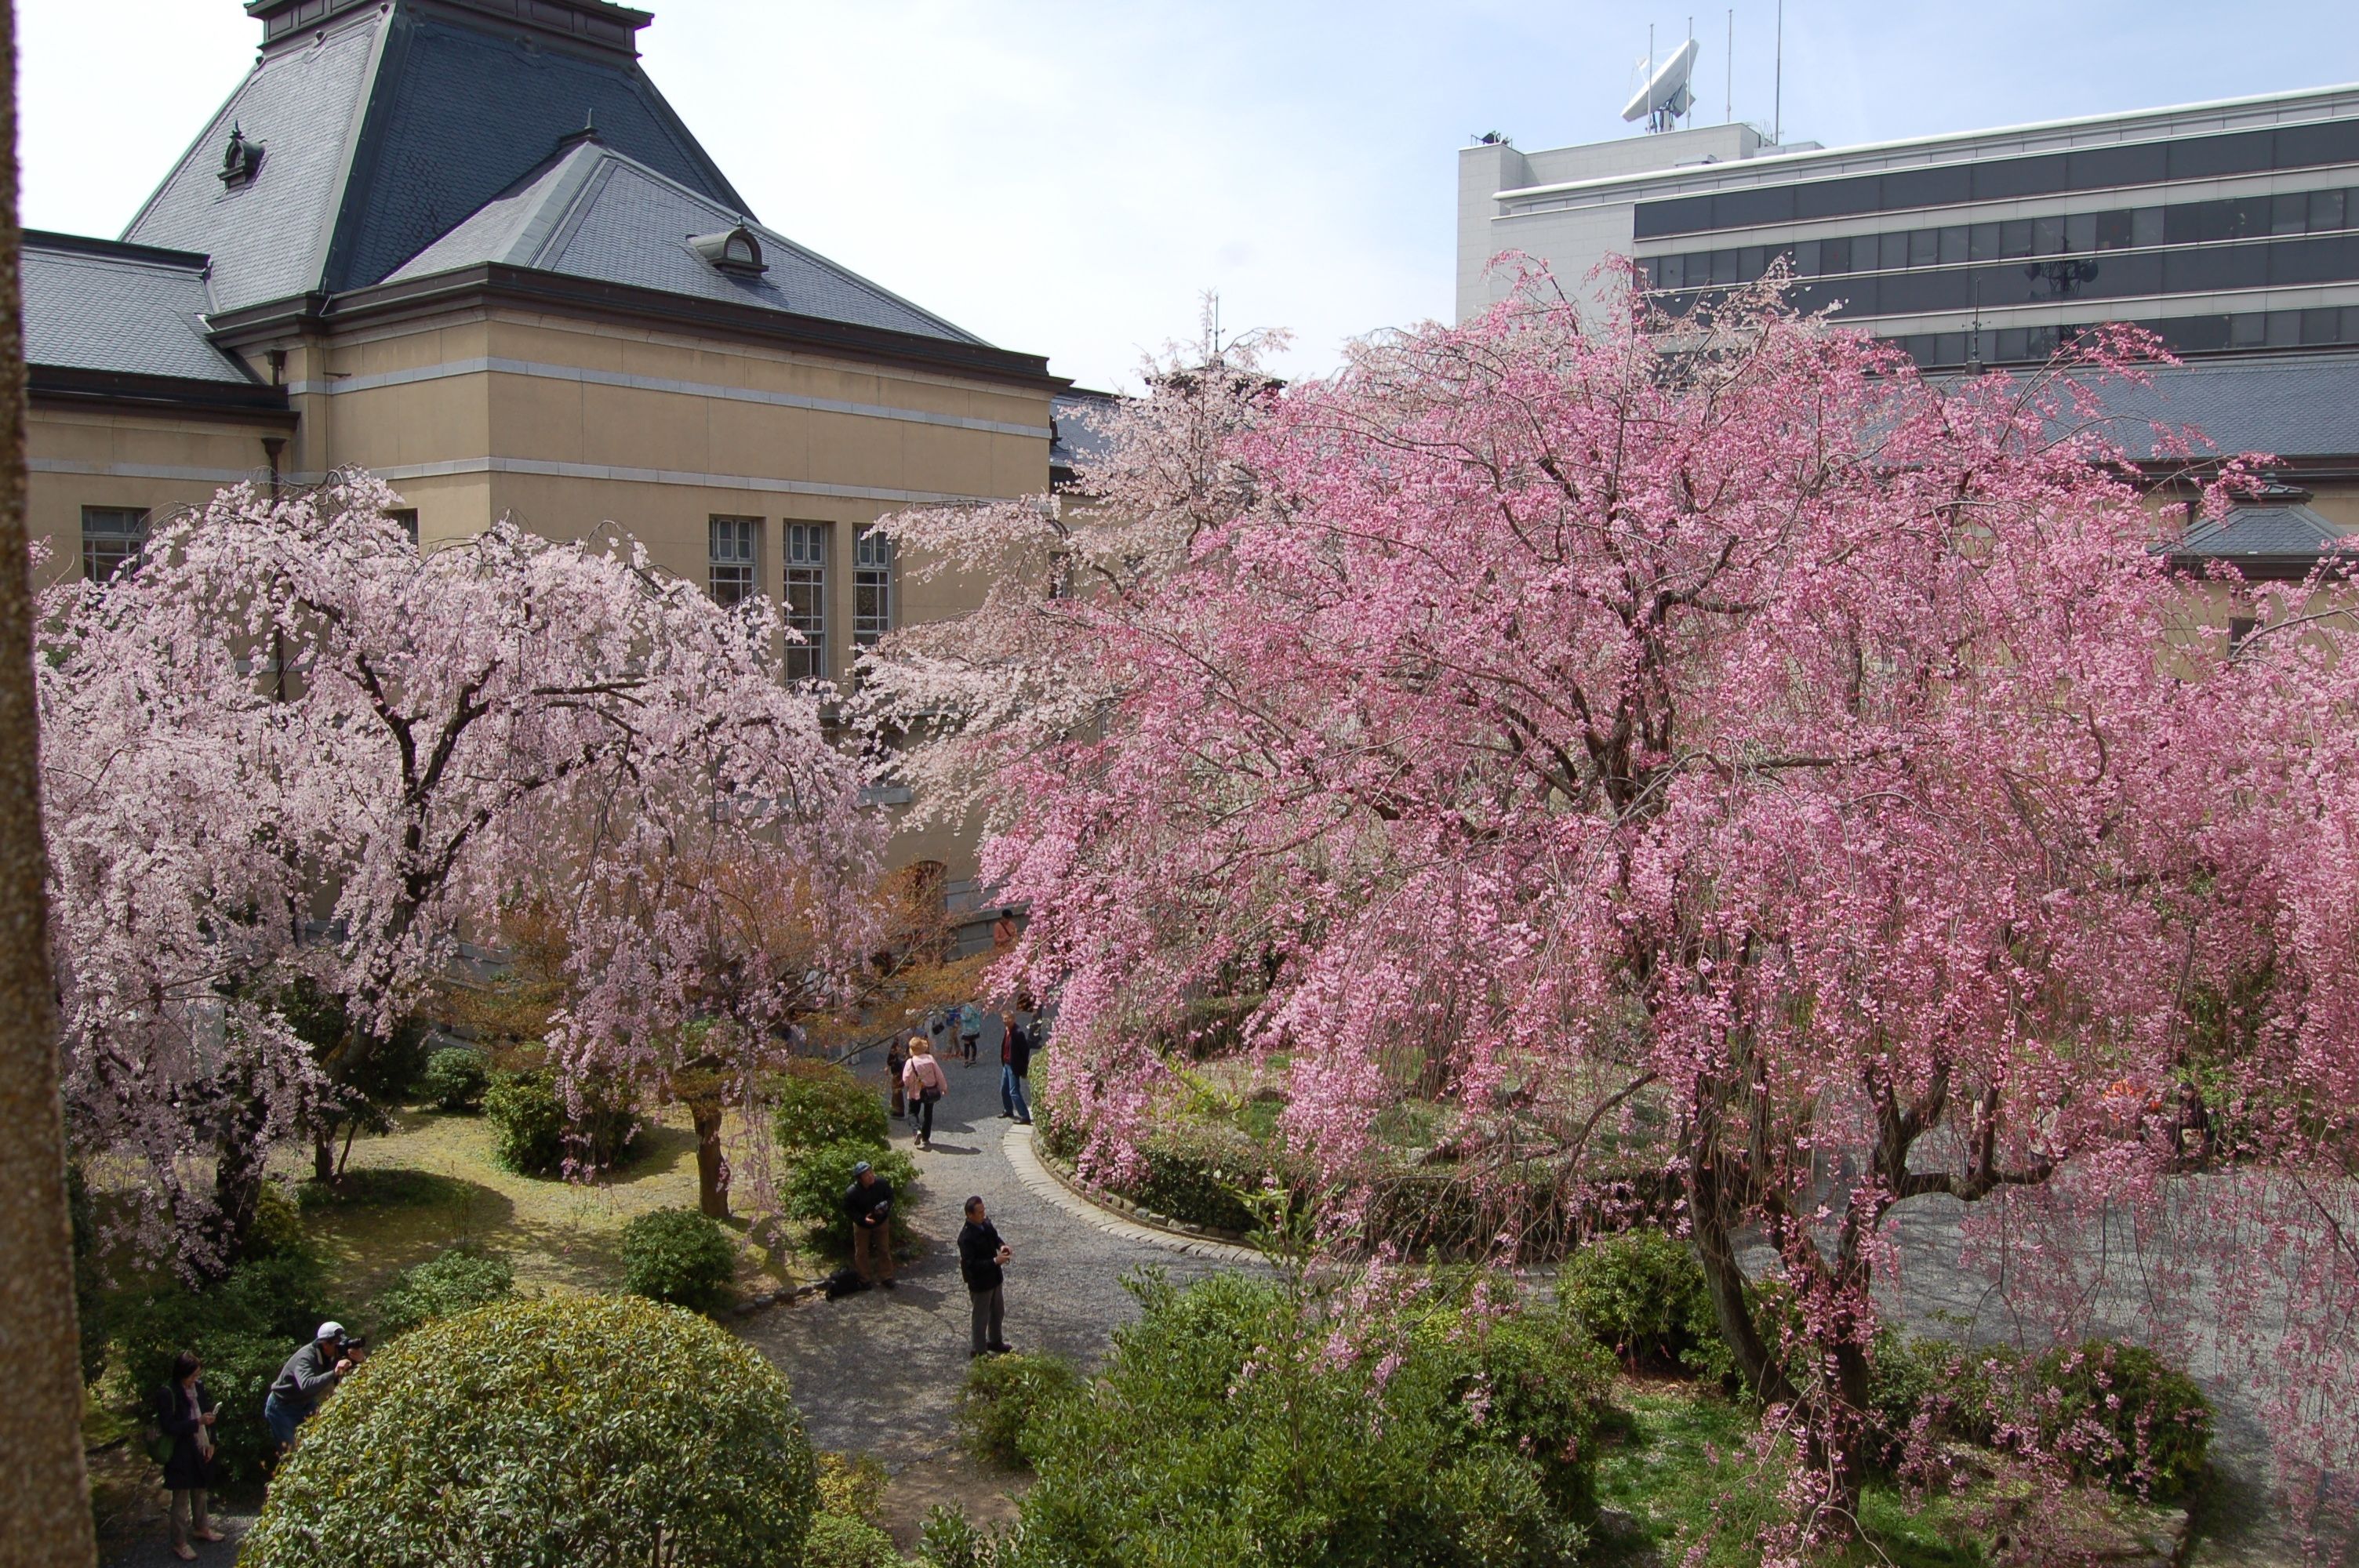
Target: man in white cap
(868, 1204)
(309, 1376)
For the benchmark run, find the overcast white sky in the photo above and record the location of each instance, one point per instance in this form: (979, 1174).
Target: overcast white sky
(1067, 178)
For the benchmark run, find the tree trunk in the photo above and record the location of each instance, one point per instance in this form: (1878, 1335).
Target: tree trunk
(1724, 1278)
(712, 1167)
(240, 1159)
(323, 1152)
(40, 1444)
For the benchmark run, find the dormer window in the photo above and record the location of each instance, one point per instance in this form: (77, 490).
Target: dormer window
(242, 161)
(735, 251)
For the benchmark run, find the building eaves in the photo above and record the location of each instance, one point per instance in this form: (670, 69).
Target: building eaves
(107, 308)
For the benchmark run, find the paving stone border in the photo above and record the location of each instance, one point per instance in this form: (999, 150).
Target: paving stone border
(1045, 1178)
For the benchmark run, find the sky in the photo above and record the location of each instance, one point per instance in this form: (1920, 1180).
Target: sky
(1070, 178)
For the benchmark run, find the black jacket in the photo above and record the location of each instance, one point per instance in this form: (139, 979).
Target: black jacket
(1016, 1050)
(979, 1256)
(188, 1469)
(870, 1205)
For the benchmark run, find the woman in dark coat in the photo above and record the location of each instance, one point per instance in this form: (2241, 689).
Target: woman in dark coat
(185, 1412)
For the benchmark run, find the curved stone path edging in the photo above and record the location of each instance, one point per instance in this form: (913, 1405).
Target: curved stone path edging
(1045, 1180)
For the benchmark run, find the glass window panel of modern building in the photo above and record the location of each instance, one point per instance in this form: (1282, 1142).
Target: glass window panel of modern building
(872, 588)
(112, 538)
(2226, 228)
(806, 599)
(733, 571)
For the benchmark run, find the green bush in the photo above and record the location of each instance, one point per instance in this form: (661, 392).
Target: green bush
(1642, 1295)
(1006, 1397)
(2125, 1415)
(581, 1429)
(530, 1132)
(457, 1281)
(680, 1256)
(836, 1542)
(455, 1079)
(243, 1328)
(1195, 1171)
(853, 1485)
(814, 1188)
(1228, 1430)
(818, 1103)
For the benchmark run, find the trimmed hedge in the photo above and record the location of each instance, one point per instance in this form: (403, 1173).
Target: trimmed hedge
(457, 1281)
(679, 1255)
(814, 1188)
(581, 1429)
(818, 1103)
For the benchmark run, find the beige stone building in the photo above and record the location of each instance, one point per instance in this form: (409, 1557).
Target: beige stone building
(467, 244)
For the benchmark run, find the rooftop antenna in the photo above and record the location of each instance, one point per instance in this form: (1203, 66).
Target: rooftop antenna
(1777, 116)
(1728, 81)
(1690, 96)
(1666, 96)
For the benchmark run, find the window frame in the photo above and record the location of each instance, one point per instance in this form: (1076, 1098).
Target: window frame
(142, 519)
(741, 574)
(803, 548)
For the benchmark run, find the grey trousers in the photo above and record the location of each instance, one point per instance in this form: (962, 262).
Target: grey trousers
(988, 1309)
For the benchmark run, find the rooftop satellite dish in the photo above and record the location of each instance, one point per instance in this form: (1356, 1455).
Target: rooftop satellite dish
(1666, 96)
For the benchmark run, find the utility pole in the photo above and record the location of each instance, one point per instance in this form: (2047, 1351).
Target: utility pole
(1778, 113)
(40, 1361)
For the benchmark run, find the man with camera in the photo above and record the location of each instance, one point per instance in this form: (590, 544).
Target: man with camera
(309, 1376)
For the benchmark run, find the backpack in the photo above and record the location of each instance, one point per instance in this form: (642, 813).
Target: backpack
(843, 1283)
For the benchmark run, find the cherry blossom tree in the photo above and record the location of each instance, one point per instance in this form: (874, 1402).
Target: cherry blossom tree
(348, 753)
(1563, 716)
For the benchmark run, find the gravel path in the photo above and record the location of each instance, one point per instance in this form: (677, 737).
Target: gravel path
(879, 1372)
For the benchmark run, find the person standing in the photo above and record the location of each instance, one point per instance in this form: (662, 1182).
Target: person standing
(923, 1081)
(309, 1376)
(970, 1030)
(1003, 933)
(868, 1204)
(1015, 1071)
(982, 1263)
(896, 1058)
(185, 1413)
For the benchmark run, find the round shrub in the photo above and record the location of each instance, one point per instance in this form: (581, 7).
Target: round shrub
(680, 1256)
(1006, 1397)
(585, 1428)
(840, 1542)
(531, 1134)
(815, 1187)
(1541, 1376)
(457, 1281)
(819, 1103)
(2125, 1415)
(1642, 1295)
(455, 1079)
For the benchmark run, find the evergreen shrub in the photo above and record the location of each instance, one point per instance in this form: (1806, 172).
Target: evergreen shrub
(457, 1281)
(455, 1079)
(1006, 1398)
(818, 1103)
(532, 1136)
(814, 1188)
(680, 1256)
(2125, 1415)
(1642, 1294)
(580, 1429)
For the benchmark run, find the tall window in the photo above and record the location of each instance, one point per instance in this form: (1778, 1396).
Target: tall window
(732, 565)
(406, 517)
(110, 539)
(806, 601)
(872, 588)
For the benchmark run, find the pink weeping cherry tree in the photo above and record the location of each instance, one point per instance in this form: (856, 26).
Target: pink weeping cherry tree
(1556, 719)
(347, 752)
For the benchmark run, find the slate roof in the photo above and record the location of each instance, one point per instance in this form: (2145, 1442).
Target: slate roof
(595, 212)
(1076, 413)
(96, 305)
(384, 132)
(2289, 405)
(2263, 534)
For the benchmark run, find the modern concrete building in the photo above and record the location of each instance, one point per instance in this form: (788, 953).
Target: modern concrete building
(2228, 228)
(467, 244)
